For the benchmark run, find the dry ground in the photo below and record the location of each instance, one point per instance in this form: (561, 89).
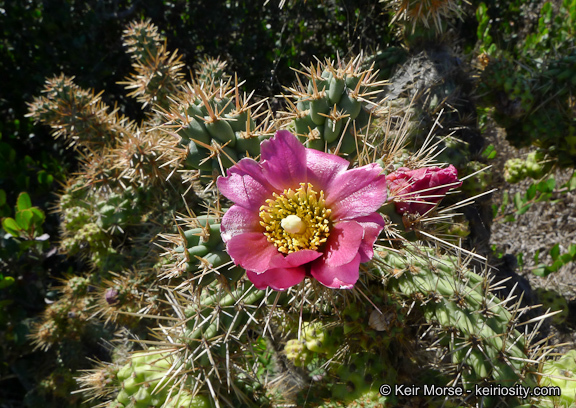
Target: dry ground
(539, 229)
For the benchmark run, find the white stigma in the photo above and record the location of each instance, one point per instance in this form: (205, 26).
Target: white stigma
(293, 224)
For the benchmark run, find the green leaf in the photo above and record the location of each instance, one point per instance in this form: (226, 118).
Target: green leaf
(531, 192)
(11, 226)
(565, 258)
(541, 270)
(505, 198)
(23, 202)
(494, 210)
(551, 183)
(536, 256)
(523, 209)
(489, 152)
(544, 197)
(571, 184)
(2, 197)
(38, 216)
(572, 250)
(555, 252)
(555, 266)
(518, 201)
(45, 178)
(24, 219)
(542, 187)
(7, 281)
(509, 218)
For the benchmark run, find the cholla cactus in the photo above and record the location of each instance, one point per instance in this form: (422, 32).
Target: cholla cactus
(329, 107)
(77, 115)
(143, 383)
(215, 121)
(421, 12)
(472, 332)
(560, 374)
(157, 73)
(316, 262)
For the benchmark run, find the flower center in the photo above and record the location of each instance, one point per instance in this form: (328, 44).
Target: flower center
(296, 220)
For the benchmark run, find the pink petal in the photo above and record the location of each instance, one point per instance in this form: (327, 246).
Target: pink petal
(343, 243)
(373, 225)
(418, 191)
(302, 257)
(283, 161)
(245, 185)
(357, 192)
(398, 181)
(323, 167)
(238, 220)
(337, 277)
(277, 279)
(253, 252)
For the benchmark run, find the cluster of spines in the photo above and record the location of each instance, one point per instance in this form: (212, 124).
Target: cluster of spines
(420, 12)
(428, 91)
(65, 320)
(157, 71)
(329, 106)
(199, 255)
(212, 340)
(143, 382)
(116, 152)
(94, 221)
(78, 115)
(110, 210)
(216, 122)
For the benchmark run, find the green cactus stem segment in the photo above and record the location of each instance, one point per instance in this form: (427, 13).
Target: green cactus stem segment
(296, 219)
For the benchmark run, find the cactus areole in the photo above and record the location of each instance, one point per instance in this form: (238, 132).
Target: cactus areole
(300, 212)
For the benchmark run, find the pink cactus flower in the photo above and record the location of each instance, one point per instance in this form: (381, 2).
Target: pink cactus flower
(419, 191)
(300, 212)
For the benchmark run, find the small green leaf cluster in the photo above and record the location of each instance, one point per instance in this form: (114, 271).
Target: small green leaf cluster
(537, 192)
(535, 166)
(27, 223)
(558, 260)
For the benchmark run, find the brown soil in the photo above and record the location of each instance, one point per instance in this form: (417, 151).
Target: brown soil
(543, 226)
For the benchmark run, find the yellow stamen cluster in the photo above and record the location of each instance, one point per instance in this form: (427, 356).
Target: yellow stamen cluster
(296, 220)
